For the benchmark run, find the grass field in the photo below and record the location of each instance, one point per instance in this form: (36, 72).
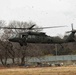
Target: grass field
(39, 71)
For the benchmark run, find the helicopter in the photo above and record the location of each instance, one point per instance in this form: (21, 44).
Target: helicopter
(40, 37)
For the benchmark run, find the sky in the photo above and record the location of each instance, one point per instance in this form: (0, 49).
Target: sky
(42, 12)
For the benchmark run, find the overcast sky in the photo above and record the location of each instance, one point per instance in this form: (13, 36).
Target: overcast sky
(42, 12)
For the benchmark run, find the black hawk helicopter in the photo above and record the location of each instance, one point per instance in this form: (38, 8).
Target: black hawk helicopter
(40, 37)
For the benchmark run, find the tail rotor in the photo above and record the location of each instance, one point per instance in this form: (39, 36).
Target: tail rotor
(73, 31)
(72, 26)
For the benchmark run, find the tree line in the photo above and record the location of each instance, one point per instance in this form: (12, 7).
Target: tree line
(14, 50)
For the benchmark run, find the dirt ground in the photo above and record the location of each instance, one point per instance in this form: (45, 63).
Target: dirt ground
(39, 71)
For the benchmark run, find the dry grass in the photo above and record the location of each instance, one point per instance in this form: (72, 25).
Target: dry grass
(39, 71)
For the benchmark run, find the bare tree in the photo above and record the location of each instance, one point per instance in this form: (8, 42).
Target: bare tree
(11, 32)
(3, 53)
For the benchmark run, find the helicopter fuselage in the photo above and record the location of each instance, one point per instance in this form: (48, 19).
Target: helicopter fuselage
(35, 37)
(42, 38)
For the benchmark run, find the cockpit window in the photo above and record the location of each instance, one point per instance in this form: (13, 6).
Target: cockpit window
(15, 36)
(31, 36)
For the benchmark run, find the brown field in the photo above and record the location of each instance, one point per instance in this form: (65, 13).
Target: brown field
(39, 71)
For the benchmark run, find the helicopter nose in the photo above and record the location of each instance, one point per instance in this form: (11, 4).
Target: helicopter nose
(10, 40)
(13, 39)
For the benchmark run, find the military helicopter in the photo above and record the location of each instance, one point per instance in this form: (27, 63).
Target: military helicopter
(40, 37)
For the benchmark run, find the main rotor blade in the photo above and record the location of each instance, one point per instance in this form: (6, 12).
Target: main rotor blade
(12, 28)
(31, 28)
(49, 27)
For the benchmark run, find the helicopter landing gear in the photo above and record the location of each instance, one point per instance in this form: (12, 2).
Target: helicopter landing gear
(22, 43)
